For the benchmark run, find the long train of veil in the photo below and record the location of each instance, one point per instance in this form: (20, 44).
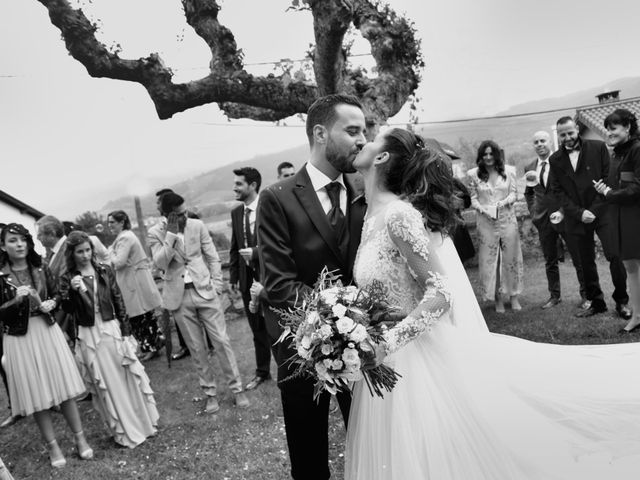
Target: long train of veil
(567, 405)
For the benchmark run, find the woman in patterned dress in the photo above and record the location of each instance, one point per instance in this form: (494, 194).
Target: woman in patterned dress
(493, 194)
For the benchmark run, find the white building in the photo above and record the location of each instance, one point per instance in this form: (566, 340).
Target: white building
(13, 210)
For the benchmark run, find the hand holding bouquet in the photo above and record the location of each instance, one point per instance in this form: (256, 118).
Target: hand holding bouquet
(337, 332)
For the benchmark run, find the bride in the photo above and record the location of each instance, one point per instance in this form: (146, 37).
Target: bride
(472, 405)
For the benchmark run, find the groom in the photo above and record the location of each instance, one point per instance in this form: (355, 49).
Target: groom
(307, 222)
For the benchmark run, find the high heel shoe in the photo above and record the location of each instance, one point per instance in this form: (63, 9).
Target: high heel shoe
(84, 450)
(55, 455)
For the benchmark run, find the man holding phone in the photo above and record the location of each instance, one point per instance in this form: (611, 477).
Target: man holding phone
(575, 168)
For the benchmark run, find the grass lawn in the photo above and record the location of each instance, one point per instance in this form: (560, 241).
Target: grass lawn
(250, 444)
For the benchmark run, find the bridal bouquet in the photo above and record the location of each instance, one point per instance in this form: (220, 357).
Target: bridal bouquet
(334, 332)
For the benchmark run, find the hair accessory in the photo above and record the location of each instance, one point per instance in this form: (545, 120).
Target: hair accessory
(16, 229)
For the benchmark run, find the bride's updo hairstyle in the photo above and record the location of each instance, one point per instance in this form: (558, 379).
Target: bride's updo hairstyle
(419, 172)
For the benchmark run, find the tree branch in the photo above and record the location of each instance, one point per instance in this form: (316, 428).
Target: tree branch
(331, 20)
(393, 45)
(396, 50)
(224, 84)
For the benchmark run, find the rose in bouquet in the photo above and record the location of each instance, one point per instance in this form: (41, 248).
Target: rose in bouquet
(335, 331)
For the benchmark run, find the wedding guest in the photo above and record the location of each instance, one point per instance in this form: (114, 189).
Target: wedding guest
(191, 290)
(41, 371)
(622, 193)
(286, 170)
(102, 253)
(11, 419)
(244, 267)
(115, 377)
(493, 194)
(183, 351)
(51, 236)
(139, 291)
(575, 168)
(541, 203)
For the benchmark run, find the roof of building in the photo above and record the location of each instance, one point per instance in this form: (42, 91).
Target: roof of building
(593, 116)
(23, 207)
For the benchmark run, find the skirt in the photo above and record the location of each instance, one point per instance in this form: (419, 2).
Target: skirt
(41, 371)
(118, 383)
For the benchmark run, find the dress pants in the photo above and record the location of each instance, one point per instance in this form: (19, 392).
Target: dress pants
(261, 342)
(549, 237)
(306, 420)
(585, 245)
(198, 318)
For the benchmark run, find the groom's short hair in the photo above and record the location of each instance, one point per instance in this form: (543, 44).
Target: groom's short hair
(323, 111)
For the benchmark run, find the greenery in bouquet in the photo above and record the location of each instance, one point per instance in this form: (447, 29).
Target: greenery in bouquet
(335, 331)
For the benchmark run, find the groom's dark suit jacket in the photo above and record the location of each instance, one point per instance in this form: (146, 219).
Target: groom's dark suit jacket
(297, 242)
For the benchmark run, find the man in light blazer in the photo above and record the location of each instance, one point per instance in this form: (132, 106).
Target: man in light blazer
(541, 203)
(183, 249)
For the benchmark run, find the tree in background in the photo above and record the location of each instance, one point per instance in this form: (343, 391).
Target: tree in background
(239, 94)
(95, 224)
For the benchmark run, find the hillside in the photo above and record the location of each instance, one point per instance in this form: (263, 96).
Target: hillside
(512, 134)
(214, 186)
(629, 87)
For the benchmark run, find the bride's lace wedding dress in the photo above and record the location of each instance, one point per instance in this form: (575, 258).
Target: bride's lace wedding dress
(472, 405)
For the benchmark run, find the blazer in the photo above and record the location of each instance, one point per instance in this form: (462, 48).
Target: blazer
(81, 304)
(195, 254)
(624, 198)
(239, 271)
(14, 314)
(133, 274)
(297, 241)
(541, 201)
(574, 190)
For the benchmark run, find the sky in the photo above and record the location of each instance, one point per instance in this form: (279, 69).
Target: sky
(69, 142)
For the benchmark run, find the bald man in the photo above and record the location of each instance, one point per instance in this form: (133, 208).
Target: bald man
(542, 203)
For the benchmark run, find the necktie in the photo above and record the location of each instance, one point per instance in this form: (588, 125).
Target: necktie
(248, 236)
(335, 215)
(542, 170)
(48, 256)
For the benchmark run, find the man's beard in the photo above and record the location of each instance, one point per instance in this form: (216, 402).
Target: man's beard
(339, 160)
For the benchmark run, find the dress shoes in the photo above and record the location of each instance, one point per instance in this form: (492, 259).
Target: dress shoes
(623, 311)
(180, 354)
(212, 405)
(584, 304)
(241, 400)
(594, 309)
(256, 382)
(10, 420)
(552, 302)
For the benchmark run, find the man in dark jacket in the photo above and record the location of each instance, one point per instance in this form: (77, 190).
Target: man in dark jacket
(541, 203)
(575, 167)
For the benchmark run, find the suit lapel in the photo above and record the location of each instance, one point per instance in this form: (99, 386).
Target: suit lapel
(309, 200)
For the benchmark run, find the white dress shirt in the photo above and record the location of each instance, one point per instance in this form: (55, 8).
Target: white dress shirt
(573, 156)
(546, 170)
(319, 180)
(253, 208)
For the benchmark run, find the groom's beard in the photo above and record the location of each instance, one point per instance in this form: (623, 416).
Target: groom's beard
(341, 161)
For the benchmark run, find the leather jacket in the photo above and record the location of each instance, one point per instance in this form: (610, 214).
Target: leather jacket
(81, 304)
(14, 314)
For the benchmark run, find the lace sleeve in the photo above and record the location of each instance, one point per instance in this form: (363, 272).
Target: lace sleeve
(408, 233)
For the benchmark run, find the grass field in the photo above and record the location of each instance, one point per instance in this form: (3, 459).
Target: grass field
(250, 444)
